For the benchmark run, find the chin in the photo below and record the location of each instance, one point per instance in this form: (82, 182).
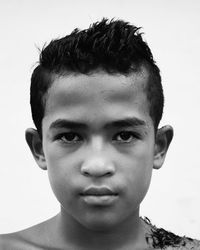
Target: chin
(99, 223)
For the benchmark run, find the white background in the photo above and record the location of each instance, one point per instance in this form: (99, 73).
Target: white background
(172, 29)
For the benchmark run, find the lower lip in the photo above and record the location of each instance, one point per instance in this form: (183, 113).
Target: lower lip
(99, 200)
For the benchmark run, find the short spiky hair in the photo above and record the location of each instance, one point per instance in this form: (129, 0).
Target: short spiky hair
(113, 46)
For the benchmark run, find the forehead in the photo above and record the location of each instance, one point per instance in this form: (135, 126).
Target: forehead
(97, 95)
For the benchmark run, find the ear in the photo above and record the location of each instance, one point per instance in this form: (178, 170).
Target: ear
(163, 139)
(35, 144)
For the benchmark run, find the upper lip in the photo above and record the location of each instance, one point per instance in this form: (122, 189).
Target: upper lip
(98, 191)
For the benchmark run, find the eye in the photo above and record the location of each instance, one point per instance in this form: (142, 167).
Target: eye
(69, 137)
(125, 137)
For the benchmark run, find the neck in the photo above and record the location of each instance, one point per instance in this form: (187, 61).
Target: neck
(129, 233)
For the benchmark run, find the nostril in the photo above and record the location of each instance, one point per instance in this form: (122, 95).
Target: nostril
(96, 169)
(109, 173)
(97, 166)
(85, 173)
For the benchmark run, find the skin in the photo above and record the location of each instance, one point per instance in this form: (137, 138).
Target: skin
(100, 152)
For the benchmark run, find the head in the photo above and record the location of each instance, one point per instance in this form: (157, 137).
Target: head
(115, 47)
(96, 101)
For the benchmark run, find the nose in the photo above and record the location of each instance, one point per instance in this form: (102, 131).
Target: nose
(97, 167)
(97, 162)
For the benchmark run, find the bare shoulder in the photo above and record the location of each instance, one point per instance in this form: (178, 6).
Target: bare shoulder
(14, 241)
(33, 238)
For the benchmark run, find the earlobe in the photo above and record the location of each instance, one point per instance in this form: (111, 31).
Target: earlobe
(163, 139)
(35, 144)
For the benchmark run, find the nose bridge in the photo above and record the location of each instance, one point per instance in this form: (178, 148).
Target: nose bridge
(97, 143)
(97, 163)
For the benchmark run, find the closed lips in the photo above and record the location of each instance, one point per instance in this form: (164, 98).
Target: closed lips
(93, 191)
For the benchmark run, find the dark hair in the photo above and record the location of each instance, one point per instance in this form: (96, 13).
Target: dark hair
(114, 46)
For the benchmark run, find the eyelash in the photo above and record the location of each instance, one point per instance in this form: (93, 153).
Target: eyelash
(62, 137)
(134, 136)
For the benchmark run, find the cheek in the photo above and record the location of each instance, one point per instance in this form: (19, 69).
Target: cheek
(145, 161)
(139, 171)
(60, 172)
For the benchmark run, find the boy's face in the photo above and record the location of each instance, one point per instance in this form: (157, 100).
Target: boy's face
(98, 143)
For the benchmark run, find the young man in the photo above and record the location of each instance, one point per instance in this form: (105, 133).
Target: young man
(97, 100)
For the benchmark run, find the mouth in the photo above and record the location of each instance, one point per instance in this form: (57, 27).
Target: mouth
(99, 196)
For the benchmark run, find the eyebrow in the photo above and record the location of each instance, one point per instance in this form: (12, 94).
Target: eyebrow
(126, 122)
(63, 123)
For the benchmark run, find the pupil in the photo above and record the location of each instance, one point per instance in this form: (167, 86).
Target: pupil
(70, 136)
(125, 136)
